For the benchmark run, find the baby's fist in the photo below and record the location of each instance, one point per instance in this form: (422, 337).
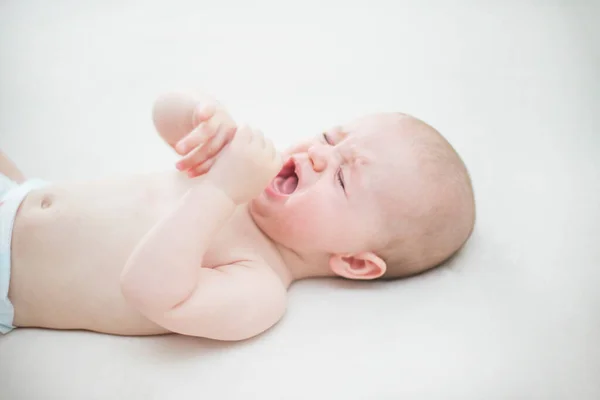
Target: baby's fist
(214, 128)
(246, 166)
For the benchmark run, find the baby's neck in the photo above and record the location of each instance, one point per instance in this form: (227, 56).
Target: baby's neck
(303, 266)
(289, 264)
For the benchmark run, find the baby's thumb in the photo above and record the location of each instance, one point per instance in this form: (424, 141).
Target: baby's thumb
(203, 112)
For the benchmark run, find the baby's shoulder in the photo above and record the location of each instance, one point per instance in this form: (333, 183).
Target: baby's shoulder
(241, 242)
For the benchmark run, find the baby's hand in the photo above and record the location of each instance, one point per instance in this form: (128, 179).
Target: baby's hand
(246, 166)
(214, 128)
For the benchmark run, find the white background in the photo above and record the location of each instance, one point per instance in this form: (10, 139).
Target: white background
(514, 85)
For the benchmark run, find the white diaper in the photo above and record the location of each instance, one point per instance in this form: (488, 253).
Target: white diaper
(11, 197)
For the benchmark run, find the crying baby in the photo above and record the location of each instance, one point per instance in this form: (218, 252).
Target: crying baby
(210, 248)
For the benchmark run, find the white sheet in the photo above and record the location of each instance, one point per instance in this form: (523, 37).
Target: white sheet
(515, 87)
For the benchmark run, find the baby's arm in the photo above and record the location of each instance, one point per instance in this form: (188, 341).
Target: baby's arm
(163, 269)
(164, 277)
(174, 116)
(232, 302)
(195, 125)
(164, 280)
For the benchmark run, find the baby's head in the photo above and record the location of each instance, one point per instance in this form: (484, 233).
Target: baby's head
(383, 196)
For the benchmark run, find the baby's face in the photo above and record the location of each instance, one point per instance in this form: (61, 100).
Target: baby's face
(334, 191)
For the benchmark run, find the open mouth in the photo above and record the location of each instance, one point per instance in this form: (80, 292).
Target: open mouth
(286, 182)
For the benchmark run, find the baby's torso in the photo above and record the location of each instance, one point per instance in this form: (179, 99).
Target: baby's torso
(71, 241)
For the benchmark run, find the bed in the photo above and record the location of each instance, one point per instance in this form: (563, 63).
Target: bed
(515, 87)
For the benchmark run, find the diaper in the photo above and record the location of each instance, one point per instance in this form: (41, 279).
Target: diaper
(11, 197)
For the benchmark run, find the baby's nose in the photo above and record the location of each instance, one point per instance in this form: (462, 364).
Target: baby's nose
(319, 156)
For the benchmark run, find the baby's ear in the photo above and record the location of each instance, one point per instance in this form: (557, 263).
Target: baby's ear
(362, 266)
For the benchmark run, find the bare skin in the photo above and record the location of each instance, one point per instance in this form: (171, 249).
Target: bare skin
(84, 257)
(210, 250)
(8, 168)
(71, 241)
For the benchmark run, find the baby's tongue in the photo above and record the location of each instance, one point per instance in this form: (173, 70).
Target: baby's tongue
(286, 185)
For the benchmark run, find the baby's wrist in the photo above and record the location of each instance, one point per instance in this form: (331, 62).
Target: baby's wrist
(207, 188)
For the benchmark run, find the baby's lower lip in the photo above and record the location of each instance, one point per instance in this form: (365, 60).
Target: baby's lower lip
(272, 192)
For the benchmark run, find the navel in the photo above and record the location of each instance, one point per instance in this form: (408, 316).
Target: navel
(46, 201)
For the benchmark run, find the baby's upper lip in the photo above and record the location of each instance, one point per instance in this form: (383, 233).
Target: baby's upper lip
(297, 169)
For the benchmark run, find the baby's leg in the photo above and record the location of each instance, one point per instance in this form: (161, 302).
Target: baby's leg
(8, 168)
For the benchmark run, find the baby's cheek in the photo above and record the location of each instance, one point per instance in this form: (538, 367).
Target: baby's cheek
(308, 219)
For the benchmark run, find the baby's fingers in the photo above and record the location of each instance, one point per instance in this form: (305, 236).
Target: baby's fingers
(201, 134)
(202, 168)
(207, 151)
(204, 112)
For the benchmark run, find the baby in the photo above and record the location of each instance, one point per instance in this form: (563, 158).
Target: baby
(210, 249)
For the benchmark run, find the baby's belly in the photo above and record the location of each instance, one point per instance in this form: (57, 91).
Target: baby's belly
(70, 244)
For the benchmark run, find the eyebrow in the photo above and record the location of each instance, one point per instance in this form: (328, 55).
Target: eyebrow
(353, 152)
(337, 133)
(342, 134)
(357, 172)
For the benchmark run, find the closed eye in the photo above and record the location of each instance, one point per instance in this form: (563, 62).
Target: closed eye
(339, 175)
(340, 178)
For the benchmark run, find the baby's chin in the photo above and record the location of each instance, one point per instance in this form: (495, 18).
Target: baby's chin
(261, 211)
(264, 218)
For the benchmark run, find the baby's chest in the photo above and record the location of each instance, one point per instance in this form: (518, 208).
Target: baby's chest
(236, 241)
(223, 252)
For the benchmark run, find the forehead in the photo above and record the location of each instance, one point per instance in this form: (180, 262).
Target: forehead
(368, 126)
(376, 124)
(384, 140)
